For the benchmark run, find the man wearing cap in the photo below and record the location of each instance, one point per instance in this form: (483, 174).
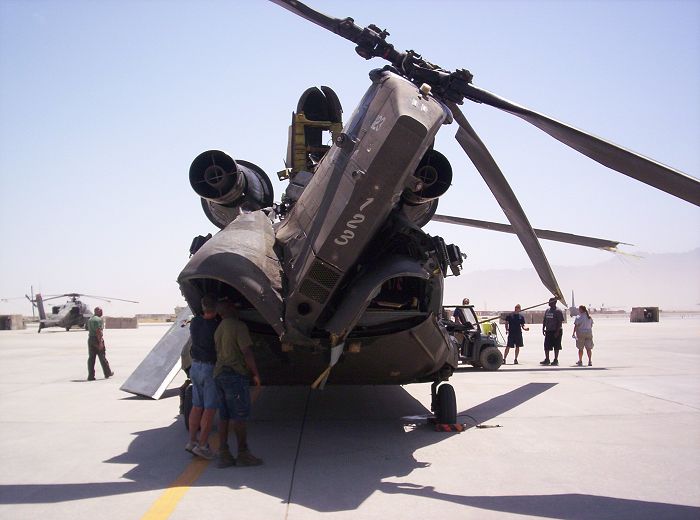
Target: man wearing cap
(552, 331)
(96, 345)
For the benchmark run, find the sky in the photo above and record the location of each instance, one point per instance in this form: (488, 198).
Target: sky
(103, 106)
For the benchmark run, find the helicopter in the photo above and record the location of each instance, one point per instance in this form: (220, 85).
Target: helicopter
(338, 283)
(73, 313)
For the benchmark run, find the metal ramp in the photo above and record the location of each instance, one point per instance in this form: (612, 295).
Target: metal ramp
(159, 368)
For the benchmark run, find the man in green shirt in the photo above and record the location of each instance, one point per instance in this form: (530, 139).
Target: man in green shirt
(96, 345)
(235, 366)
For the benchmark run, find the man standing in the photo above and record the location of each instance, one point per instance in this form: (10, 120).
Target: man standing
(96, 345)
(552, 331)
(235, 366)
(515, 325)
(205, 400)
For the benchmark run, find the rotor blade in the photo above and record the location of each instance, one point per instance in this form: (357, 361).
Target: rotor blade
(545, 234)
(615, 157)
(107, 298)
(53, 297)
(343, 27)
(497, 183)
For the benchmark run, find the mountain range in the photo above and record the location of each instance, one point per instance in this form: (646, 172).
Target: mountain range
(670, 281)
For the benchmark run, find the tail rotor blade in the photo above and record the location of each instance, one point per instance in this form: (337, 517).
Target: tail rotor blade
(608, 154)
(497, 183)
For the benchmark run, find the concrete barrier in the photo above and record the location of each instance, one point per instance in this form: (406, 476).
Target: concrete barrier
(120, 323)
(12, 322)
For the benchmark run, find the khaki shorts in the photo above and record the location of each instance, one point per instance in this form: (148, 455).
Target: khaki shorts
(584, 340)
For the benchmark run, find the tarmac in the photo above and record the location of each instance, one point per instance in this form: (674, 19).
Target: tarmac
(619, 440)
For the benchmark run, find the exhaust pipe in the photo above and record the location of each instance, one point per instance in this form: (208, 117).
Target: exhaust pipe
(431, 179)
(229, 187)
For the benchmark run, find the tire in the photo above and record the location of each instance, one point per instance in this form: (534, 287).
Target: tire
(446, 412)
(491, 358)
(186, 397)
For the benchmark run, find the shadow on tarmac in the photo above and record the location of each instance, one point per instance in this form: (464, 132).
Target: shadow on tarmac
(330, 451)
(475, 370)
(570, 506)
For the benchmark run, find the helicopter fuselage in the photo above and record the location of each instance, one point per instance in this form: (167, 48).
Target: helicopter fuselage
(349, 265)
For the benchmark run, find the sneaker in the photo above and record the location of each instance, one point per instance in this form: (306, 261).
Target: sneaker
(203, 451)
(555, 363)
(579, 364)
(190, 446)
(91, 378)
(515, 361)
(107, 376)
(545, 362)
(246, 458)
(226, 460)
(590, 364)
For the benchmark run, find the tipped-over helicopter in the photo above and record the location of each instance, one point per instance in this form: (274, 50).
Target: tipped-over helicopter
(338, 282)
(73, 313)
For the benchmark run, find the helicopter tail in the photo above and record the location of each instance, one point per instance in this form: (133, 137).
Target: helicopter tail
(40, 306)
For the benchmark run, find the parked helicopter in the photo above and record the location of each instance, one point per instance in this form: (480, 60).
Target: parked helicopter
(73, 313)
(338, 283)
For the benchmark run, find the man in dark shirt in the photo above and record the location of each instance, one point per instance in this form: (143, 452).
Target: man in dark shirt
(96, 345)
(458, 314)
(552, 331)
(205, 399)
(515, 325)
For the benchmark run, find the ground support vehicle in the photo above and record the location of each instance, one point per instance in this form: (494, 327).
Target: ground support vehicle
(475, 346)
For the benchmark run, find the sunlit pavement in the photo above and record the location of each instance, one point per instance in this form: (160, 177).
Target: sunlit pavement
(616, 440)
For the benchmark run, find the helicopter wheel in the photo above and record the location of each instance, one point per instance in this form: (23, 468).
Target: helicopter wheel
(446, 405)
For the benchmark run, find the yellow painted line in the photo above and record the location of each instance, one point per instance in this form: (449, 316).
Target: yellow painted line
(168, 500)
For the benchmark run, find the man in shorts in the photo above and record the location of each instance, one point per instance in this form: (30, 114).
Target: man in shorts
(583, 334)
(205, 399)
(515, 325)
(235, 367)
(552, 330)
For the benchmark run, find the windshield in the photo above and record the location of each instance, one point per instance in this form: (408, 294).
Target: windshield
(463, 314)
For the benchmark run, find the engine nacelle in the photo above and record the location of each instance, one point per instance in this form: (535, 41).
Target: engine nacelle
(430, 181)
(229, 187)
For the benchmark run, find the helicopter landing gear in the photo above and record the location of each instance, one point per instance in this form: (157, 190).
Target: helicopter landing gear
(444, 403)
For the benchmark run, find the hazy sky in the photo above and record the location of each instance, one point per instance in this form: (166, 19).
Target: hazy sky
(103, 106)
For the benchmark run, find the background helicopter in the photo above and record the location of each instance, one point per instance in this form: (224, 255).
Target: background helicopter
(341, 268)
(73, 313)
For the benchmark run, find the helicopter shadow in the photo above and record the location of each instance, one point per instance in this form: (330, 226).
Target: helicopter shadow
(330, 451)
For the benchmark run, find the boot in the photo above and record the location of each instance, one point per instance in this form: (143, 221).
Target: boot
(246, 458)
(226, 460)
